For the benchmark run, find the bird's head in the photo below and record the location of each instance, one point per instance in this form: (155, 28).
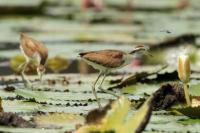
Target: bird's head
(141, 49)
(41, 70)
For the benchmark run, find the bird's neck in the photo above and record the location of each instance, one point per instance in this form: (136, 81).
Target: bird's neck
(128, 58)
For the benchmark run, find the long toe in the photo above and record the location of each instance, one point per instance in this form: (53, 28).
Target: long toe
(29, 85)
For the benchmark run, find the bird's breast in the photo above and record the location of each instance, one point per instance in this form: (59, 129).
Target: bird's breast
(128, 58)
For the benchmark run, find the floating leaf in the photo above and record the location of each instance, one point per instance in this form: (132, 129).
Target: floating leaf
(116, 118)
(140, 89)
(11, 119)
(19, 106)
(31, 94)
(193, 112)
(139, 120)
(85, 37)
(57, 63)
(189, 121)
(134, 78)
(18, 60)
(58, 120)
(45, 96)
(194, 89)
(28, 130)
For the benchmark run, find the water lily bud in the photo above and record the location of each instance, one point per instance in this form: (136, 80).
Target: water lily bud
(184, 68)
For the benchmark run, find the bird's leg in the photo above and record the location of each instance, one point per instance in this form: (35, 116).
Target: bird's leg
(40, 74)
(106, 91)
(21, 66)
(93, 89)
(24, 77)
(40, 77)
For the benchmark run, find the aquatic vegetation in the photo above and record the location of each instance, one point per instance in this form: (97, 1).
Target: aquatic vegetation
(184, 74)
(152, 97)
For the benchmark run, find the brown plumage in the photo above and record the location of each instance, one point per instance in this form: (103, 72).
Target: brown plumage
(31, 47)
(104, 61)
(106, 58)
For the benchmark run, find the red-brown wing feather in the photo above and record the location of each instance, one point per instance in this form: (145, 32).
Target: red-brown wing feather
(31, 46)
(28, 46)
(107, 58)
(42, 50)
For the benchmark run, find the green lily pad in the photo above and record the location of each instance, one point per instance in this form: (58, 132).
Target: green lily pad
(117, 118)
(189, 121)
(193, 112)
(52, 120)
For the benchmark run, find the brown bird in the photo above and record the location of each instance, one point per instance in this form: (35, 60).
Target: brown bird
(33, 50)
(106, 61)
(97, 5)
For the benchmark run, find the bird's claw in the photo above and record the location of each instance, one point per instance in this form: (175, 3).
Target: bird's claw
(28, 85)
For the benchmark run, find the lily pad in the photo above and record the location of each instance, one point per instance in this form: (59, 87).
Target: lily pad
(115, 119)
(58, 120)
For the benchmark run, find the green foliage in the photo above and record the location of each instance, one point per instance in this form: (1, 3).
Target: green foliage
(117, 119)
(189, 121)
(120, 28)
(140, 89)
(57, 64)
(193, 112)
(58, 120)
(194, 89)
(18, 60)
(78, 100)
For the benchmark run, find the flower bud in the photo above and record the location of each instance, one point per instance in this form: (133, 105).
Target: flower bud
(184, 68)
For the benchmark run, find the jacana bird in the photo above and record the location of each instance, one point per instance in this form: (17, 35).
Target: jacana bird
(107, 60)
(33, 50)
(97, 5)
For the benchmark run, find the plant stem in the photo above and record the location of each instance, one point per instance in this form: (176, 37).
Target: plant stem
(187, 97)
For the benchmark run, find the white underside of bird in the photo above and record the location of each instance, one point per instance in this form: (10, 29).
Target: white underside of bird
(35, 56)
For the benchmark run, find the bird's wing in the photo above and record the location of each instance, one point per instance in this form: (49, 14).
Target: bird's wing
(31, 46)
(28, 46)
(107, 58)
(42, 50)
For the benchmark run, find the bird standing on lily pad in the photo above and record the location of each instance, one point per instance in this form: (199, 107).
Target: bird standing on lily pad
(33, 50)
(107, 60)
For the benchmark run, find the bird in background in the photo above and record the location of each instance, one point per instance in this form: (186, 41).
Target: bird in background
(33, 50)
(129, 4)
(107, 60)
(97, 5)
